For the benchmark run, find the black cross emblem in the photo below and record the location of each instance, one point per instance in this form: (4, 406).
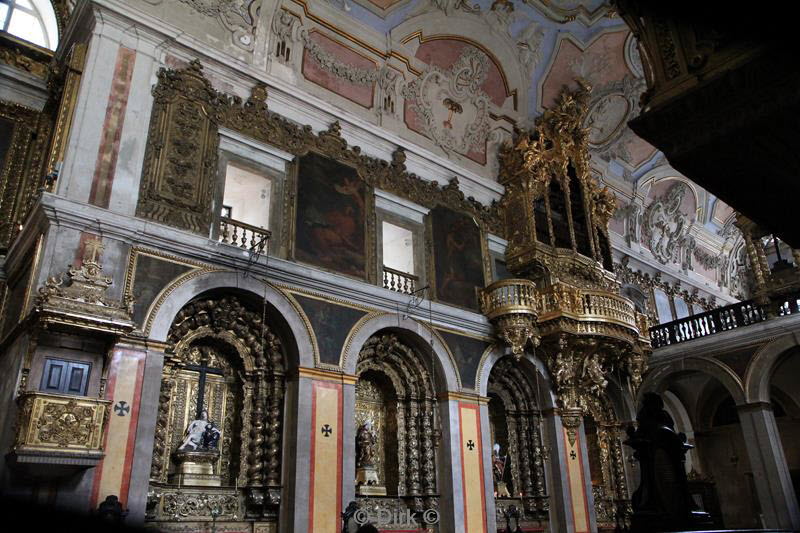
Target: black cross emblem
(470, 445)
(326, 430)
(572, 455)
(122, 408)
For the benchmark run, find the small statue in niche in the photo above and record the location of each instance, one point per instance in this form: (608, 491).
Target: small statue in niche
(365, 444)
(201, 434)
(498, 472)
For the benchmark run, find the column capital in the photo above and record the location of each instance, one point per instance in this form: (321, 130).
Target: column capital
(753, 406)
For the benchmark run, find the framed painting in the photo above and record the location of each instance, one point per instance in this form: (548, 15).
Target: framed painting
(458, 265)
(332, 216)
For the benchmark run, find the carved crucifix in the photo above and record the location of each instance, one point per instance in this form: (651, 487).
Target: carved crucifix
(203, 369)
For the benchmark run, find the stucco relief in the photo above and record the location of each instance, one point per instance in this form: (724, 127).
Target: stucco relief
(665, 228)
(610, 109)
(450, 106)
(238, 16)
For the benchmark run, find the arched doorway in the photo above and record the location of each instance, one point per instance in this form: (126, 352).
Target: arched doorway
(225, 371)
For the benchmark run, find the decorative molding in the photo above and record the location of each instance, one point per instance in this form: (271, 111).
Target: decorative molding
(665, 229)
(452, 100)
(240, 17)
(333, 65)
(177, 189)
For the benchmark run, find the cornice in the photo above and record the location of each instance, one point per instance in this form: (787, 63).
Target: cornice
(292, 276)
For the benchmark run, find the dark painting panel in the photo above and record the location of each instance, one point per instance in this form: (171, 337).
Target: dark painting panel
(332, 323)
(152, 274)
(467, 352)
(457, 257)
(331, 216)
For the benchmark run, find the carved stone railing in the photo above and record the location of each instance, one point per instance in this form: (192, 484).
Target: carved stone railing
(243, 235)
(60, 429)
(398, 281)
(708, 323)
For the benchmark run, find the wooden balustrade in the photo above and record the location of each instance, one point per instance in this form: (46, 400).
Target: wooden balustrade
(398, 281)
(243, 235)
(510, 296)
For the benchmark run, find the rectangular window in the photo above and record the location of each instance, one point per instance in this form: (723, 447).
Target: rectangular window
(247, 196)
(397, 247)
(65, 377)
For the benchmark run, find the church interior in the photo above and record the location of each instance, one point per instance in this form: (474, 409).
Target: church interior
(416, 265)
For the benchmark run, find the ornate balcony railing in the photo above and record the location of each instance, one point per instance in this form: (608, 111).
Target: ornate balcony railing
(243, 235)
(510, 296)
(520, 296)
(398, 281)
(587, 305)
(60, 429)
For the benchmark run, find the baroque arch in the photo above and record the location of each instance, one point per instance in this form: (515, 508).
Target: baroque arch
(516, 427)
(157, 323)
(418, 335)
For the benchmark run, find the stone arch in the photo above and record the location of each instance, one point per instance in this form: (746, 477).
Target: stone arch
(175, 296)
(417, 334)
(683, 424)
(759, 372)
(532, 364)
(656, 381)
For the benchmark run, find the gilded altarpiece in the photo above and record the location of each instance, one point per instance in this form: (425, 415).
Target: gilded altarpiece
(518, 451)
(395, 392)
(224, 347)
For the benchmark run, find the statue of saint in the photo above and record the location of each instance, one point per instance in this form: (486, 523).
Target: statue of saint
(499, 472)
(593, 374)
(365, 445)
(194, 434)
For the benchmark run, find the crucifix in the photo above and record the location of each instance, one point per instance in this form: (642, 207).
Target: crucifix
(203, 369)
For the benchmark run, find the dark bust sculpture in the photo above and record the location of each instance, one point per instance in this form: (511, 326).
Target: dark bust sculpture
(662, 501)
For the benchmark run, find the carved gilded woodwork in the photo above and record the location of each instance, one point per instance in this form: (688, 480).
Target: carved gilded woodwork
(180, 164)
(245, 398)
(167, 168)
(52, 426)
(66, 80)
(522, 441)
(415, 421)
(77, 298)
(21, 171)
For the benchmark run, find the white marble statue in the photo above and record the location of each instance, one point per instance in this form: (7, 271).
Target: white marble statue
(194, 434)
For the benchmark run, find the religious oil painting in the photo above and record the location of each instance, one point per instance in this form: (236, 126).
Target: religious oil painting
(458, 261)
(331, 216)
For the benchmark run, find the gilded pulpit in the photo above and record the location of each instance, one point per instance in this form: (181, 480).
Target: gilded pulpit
(217, 448)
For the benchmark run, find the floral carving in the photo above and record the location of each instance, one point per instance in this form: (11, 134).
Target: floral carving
(237, 16)
(333, 65)
(66, 424)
